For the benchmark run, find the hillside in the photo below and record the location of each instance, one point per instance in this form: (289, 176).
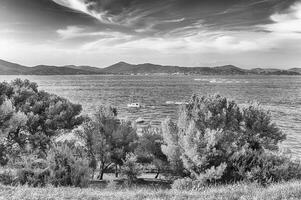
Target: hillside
(272, 71)
(126, 68)
(53, 70)
(86, 68)
(147, 68)
(8, 68)
(298, 70)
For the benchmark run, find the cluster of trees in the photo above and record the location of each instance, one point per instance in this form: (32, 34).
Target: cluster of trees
(213, 141)
(216, 141)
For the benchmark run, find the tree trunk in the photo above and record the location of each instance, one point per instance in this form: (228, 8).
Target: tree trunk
(93, 172)
(157, 175)
(101, 172)
(101, 175)
(116, 170)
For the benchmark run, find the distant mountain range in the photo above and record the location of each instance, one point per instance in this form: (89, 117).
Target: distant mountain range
(8, 68)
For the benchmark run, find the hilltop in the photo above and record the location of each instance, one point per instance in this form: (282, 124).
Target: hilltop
(8, 68)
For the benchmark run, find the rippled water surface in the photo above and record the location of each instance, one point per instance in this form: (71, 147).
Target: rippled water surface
(280, 94)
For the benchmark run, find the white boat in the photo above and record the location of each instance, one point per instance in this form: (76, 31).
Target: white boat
(134, 105)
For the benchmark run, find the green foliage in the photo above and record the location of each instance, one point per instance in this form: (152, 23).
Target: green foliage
(171, 148)
(33, 171)
(131, 169)
(6, 177)
(66, 167)
(34, 116)
(149, 149)
(63, 167)
(211, 131)
(3, 153)
(6, 113)
(266, 167)
(107, 139)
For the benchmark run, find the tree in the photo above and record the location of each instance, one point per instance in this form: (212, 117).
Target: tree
(106, 138)
(10, 123)
(210, 131)
(66, 166)
(171, 147)
(124, 140)
(44, 114)
(149, 149)
(131, 169)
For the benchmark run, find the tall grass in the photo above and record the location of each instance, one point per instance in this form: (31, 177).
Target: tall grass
(287, 191)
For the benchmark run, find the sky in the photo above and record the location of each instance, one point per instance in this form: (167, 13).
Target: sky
(192, 33)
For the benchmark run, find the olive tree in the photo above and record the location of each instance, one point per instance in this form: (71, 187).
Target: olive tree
(149, 149)
(212, 130)
(30, 116)
(107, 139)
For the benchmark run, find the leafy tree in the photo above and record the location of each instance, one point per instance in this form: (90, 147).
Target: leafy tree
(10, 123)
(107, 139)
(124, 140)
(131, 169)
(210, 131)
(37, 115)
(149, 149)
(171, 147)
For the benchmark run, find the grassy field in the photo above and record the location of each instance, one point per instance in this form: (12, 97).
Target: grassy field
(285, 191)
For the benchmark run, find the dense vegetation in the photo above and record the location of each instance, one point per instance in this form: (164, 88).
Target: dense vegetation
(214, 141)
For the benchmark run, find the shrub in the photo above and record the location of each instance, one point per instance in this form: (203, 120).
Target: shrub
(214, 135)
(33, 171)
(187, 184)
(80, 173)
(266, 167)
(66, 168)
(32, 177)
(6, 177)
(131, 169)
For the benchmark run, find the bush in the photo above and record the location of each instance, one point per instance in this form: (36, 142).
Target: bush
(188, 184)
(33, 171)
(6, 178)
(266, 167)
(217, 141)
(131, 169)
(66, 168)
(33, 177)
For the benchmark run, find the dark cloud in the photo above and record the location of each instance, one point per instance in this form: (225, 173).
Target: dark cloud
(146, 14)
(218, 14)
(152, 26)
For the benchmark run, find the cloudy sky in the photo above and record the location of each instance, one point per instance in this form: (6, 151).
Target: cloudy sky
(247, 33)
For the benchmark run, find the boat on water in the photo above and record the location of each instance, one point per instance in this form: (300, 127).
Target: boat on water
(134, 105)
